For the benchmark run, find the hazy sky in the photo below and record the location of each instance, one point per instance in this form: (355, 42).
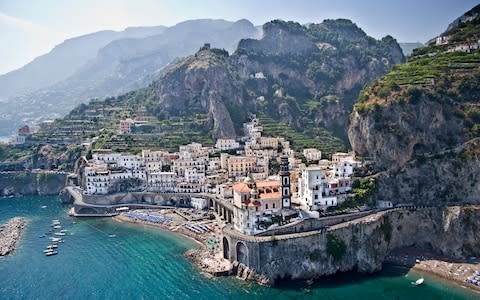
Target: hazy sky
(29, 28)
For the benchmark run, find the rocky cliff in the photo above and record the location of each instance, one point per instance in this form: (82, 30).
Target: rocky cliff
(362, 245)
(420, 124)
(30, 183)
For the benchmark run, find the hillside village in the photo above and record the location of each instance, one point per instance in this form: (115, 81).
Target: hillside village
(259, 175)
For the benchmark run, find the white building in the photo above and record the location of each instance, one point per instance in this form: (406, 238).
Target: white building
(161, 181)
(226, 144)
(312, 154)
(191, 175)
(311, 190)
(199, 203)
(97, 180)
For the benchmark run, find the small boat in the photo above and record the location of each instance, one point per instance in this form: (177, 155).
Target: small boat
(41, 236)
(44, 206)
(54, 239)
(51, 253)
(60, 233)
(63, 230)
(57, 227)
(419, 281)
(112, 235)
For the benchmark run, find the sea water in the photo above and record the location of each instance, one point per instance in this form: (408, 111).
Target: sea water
(104, 259)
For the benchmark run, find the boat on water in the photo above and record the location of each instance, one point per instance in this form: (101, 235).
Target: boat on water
(420, 281)
(112, 235)
(63, 230)
(51, 253)
(57, 227)
(44, 206)
(54, 239)
(60, 233)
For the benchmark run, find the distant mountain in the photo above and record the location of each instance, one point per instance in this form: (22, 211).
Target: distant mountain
(407, 48)
(116, 65)
(63, 60)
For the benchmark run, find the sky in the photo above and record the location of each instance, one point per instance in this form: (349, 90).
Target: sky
(29, 28)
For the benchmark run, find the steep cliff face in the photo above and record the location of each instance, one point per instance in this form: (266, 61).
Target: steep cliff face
(363, 246)
(201, 83)
(421, 122)
(28, 183)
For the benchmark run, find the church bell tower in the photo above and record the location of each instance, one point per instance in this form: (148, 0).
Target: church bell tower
(285, 183)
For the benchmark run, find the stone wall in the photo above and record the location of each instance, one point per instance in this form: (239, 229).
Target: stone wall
(17, 183)
(164, 199)
(452, 232)
(312, 224)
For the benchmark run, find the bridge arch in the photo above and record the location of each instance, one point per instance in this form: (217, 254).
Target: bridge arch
(242, 253)
(226, 248)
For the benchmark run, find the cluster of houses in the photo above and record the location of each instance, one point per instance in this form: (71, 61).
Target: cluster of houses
(239, 171)
(459, 47)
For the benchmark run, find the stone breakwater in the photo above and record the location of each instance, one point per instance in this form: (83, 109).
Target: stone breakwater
(10, 233)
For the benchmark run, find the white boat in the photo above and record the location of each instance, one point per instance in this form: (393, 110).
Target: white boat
(57, 227)
(60, 233)
(63, 230)
(112, 235)
(419, 281)
(44, 206)
(54, 239)
(51, 253)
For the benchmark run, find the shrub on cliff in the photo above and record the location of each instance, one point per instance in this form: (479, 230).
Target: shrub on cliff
(336, 247)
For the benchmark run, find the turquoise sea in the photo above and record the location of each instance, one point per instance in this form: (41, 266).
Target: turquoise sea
(145, 263)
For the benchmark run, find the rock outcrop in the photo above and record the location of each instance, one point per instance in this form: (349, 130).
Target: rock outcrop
(30, 183)
(10, 234)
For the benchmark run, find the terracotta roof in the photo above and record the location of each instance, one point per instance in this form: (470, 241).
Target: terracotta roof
(268, 183)
(241, 187)
(275, 195)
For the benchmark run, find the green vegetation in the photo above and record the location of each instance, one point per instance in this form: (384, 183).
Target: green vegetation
(362, 190)
(313, 137)
(315, 255)
(336, 247)
(14, 153)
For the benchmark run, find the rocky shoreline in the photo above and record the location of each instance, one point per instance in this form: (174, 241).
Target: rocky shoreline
(10, 234)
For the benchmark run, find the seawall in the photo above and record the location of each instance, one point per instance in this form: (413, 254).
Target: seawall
(18, 183)
(360, 245)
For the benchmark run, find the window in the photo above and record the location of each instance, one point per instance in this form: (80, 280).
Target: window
(273, 205)
(315, 197)
(266, 205)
